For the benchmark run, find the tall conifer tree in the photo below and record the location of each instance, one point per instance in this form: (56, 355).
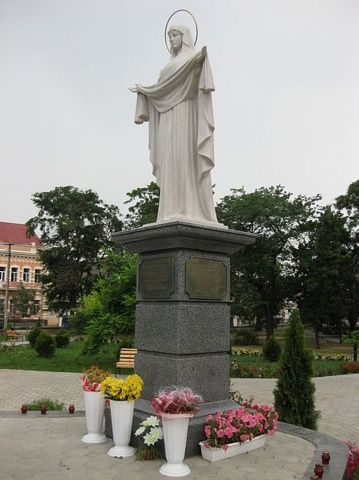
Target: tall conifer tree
(294, 393)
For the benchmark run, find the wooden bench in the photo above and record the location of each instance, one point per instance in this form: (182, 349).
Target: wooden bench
(11, 334)
(127, 358)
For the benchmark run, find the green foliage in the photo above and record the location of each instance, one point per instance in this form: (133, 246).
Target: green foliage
(62, 339)
(33, 334)
(45, 345)
(261, 275)
(145, 207)
(349, 205)
(245, 336)
(272, 349)
(49, 404)
(75, 228)
(322, 272)
(109, 310)
(294, 392)
(126, 342)
(67, 359)
(24, 301)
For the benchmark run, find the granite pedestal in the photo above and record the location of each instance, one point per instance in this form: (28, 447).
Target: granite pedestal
(183, 313)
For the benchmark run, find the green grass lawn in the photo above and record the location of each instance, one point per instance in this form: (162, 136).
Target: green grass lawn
(70, 359)
(67, 359)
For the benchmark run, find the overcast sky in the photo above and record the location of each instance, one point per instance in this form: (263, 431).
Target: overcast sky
(286, 104)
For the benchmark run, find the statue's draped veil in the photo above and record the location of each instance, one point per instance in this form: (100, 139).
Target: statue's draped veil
(187, 39)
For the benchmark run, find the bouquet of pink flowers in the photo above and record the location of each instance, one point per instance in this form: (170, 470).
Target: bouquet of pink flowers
(92, 378)
(239, 425)
(176, 400)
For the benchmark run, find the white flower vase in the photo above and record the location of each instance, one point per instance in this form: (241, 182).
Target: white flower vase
(94, 407)
(121, 417)
(175, 427)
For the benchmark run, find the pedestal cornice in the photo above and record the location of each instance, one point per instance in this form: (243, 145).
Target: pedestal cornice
(172, 235)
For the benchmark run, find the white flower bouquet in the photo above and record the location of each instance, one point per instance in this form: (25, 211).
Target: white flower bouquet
(151, 432)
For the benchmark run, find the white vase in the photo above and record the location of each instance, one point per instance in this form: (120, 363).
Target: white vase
(175, 427)
(94, 408)
(214, 454)
(121, 418)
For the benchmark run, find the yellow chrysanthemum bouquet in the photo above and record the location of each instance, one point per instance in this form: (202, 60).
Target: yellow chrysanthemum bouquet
(129, 388)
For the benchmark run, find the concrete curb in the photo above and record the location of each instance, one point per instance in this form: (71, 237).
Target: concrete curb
(337, 468)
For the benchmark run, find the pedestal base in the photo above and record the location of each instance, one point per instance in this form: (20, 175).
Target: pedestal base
(183, 314)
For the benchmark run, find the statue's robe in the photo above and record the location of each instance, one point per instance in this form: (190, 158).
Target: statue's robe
(181, 125)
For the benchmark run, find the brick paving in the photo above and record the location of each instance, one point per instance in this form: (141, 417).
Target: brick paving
(50, 448)
(337, 397)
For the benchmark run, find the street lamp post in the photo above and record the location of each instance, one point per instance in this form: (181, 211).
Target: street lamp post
(355, 315)
(6, 311)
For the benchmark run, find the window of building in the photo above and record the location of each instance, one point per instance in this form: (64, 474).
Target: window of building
(2, 274)
(14, 273)
(2, 306)
(26, 275)
(37, 275)
(36, 306)
(12, 307)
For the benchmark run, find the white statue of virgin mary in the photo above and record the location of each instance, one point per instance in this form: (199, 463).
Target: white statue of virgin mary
(179, 111)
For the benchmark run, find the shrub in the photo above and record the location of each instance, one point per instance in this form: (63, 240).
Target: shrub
(86, 347)
(294, 392)
(33, 334)
(62, 339)
(351, 367)
(45, 345)
(50, 404)
(246, 336)
(272, 349)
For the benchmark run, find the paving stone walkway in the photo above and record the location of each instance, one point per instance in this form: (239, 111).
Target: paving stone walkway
(337, 397)
(40, 447)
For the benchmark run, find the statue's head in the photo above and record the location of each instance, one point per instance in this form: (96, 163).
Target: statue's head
(180, 39)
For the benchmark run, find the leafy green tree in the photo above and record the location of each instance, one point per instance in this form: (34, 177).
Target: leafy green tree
(144, 206)
(348, 204)
(353, 339)
(76, 226)
(294, 392)
(24, 301)
(322, 273)
(262, 275)
(109, 310)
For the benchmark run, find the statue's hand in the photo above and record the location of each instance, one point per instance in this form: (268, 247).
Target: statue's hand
(134, 88)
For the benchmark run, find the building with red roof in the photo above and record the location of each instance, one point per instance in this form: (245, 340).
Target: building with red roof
(20, 266)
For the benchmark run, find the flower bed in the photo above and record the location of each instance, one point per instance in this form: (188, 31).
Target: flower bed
(352, 367)
(353, 461)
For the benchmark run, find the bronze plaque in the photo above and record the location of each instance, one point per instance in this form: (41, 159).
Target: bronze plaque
(156, 278)
(206, 279)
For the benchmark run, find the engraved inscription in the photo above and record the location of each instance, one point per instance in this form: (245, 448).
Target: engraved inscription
(156, 278)
(206, 279)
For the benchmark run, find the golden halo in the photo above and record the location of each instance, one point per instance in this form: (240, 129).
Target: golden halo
(168, 21)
